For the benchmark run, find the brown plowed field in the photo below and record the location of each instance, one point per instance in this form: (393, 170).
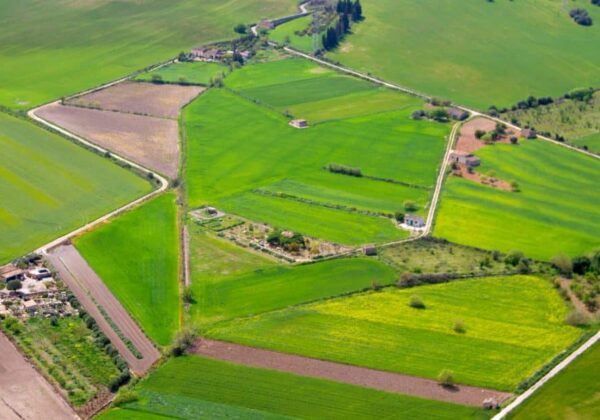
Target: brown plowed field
(24, 393)
(370, 378)
(140, 98)
(152, 142)
(85, 285)
(468, 143)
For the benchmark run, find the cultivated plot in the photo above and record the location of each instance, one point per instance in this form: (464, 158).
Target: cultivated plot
(193, 387)
(149, 99)
(186, 73)
(554, 212)
(265, 170)
(74, 45)
(491, 332)
(229, 281)
(50, 186)
(137, 256)
(465, 59)
(150, 141)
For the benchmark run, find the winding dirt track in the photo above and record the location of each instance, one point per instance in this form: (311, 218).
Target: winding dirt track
(85, 283)
(24, 393)
(370, 378)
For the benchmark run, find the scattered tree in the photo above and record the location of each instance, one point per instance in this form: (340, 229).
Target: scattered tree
(416, 302)
(14, 285)
(240, 28)
(446, 378)
(563, 264)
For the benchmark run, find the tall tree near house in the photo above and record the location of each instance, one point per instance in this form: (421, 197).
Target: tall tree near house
(357, 11)
(345, 23)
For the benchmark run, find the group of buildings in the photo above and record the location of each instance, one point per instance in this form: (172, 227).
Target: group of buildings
(32, 291)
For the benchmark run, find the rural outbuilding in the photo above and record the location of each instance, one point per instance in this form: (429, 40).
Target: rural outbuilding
(466, 159)
(457, 114)
(529, 133)
(11, 272)
(413, 220)
(266, 24)
(370, 250)
(299, 123)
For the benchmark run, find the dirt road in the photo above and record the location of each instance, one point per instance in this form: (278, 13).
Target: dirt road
(370, 378)
(24, 393)
(92, 293)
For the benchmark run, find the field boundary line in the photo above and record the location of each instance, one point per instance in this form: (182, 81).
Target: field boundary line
(557, 369)
(163, 182)
(424, 96)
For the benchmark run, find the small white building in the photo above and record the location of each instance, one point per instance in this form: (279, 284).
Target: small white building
(299, 123)
(414, 221)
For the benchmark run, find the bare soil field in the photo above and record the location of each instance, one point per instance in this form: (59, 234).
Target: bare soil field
(85, 284)
(152, 142)
(150, 99)
(481, 179)
(24, 393)
(468, 143)
(370, 378)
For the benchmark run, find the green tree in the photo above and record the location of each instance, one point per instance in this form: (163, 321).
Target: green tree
(240, 28)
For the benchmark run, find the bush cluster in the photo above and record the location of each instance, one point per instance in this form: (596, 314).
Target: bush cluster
(581, 17)
(345, 170)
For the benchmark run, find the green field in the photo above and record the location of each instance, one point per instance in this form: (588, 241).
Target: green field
(573, 394)
(555, 212)
(229, 281)
(194, 73)
(475, 52)
(577, 121)
(242, 169)
(432, 257)
(74, 45)
(192, 387)
(317, 94)
(141, 266)
(288, 34)
(50, 186)
(66, 353)
(512, 326)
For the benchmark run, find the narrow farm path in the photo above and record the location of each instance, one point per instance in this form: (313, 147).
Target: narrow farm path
(557, 369)
(93, 294)
(24, 392)
(370, 378)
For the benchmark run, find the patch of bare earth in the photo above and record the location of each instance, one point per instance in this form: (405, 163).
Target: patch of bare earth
(468, 143)
(370, 378)
(158, 100)
(474, 176)
(24, 393)
(152, 142)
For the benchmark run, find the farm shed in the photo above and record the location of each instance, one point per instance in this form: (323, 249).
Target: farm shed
(11, 272)
(466, 159)
(299, 123)
(414, 221)
(369, 250)
(457, 114)
(266, 24)
(529, 133)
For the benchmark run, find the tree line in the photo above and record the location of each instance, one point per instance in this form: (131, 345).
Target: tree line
(347, 11)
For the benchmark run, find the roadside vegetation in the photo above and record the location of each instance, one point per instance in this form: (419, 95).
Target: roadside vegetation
(575, 121)
(137, 256)
(492, 332)
(571, 394)
(554, 213)
(191, 387)
(50, 186)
